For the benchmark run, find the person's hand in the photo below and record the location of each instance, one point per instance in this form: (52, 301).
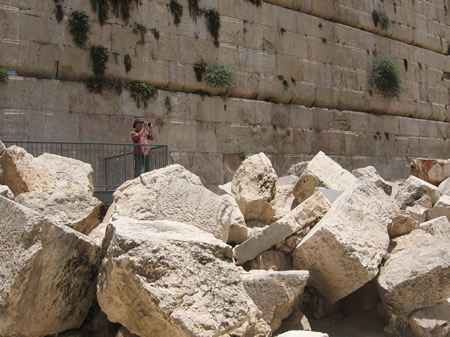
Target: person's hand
(145, 124)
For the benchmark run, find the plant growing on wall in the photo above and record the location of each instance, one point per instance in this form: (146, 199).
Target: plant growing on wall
(3, 76)
(79, 27)
(213, 24)
(140, 29)
(95, 84)
(59, 13)
(177, 11)
(102, 6)
(99, 57)
(382, 18)
(221, 76)
(122, 7)
(385, 76)
(141, 92)
(199, 69)
(283, 81)
(155, 33)
(194, 9)
(127, 62)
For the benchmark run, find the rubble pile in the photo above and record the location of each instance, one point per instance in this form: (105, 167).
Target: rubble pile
(171, 258)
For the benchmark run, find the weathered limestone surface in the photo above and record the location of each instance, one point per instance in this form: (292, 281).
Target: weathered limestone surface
(48, 273)
(371, 173)
(414, 278)
(402, 223)
(6, 192)
(174, 193)
(431, 170)
(322, 171)
(238, 229)
(253, 187)
(343, 251)
(58, 187)
(172, 279)
(299, 333)
(284, 199)
(444, 187)
(434, 321)
(304, 214)
(438, 226)
(413, 189)
(441, 208)
(275, 293)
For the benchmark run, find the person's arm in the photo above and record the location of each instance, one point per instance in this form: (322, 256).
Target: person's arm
(151, 135)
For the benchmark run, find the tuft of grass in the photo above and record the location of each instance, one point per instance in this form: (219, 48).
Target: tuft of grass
(140, 91)
(79, 26)
(385, 76)
(381, 18)
(221, 76)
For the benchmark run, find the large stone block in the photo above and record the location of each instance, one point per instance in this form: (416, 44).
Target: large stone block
(432, 171)
(343, 251)
(275, 293)
(413, 278)
(324, 172)
(48, 273)
(413, 189)
(173, 279)
(296, 220)
(432, 321)
(441, 208)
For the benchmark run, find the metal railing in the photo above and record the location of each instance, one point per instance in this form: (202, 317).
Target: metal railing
(113, 163)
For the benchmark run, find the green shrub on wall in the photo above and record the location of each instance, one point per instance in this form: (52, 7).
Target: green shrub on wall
(221, 76)
(141, 92)
(79, 27)
(381, 18)
(385, 76)
(140, 29)
(177, 11)
(199, 69)
(3, 76)
(213, 24)
(99, 56)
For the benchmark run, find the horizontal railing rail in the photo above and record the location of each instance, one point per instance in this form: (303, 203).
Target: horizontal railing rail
(112, 163)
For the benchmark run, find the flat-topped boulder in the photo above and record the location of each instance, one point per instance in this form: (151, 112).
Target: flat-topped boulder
(166, 278)
(253, 187)
(415, 277)
(322, 171)
(343, 251)
(48, 273)
(275, 292)
(173, 193)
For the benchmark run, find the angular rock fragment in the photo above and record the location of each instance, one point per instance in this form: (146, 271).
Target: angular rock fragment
(271, 260)
(343, 251)
(433, 171)
(304, 214)
(402, 223)
(438, 226)
(413, 278)
(297, 169)
(413, 189)
(239, 231)
(6, 192)
(275, 293)
(441, 208)
(432, 322)
(174, 193)
(166, 278)
(444, 187)
(284, 200)
(253, 187)
(322, 171)
(370, 172)
(48, 273)
(300, 333)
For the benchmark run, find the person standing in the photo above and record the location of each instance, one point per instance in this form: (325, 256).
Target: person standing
(141, 152)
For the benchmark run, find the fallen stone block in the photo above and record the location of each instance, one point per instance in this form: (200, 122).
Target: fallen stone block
(297, 169)
(253, 187)
(173, 193)
(48, 273)
(296, 320)
(414, 278)
(167, 278)
(371, 173)
(322, 171)
(413, 189)
(441, 208)
(444, 187)
(300, 333)
(402, 223)
(434, 321)
(403, 241)
(343, 251)
(275, 293)
(309, 211)
(433, 171)
(438, 226)
(284, 200)
(239, 232)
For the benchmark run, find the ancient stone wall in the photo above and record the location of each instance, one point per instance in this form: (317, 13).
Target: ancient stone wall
(302, 81)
